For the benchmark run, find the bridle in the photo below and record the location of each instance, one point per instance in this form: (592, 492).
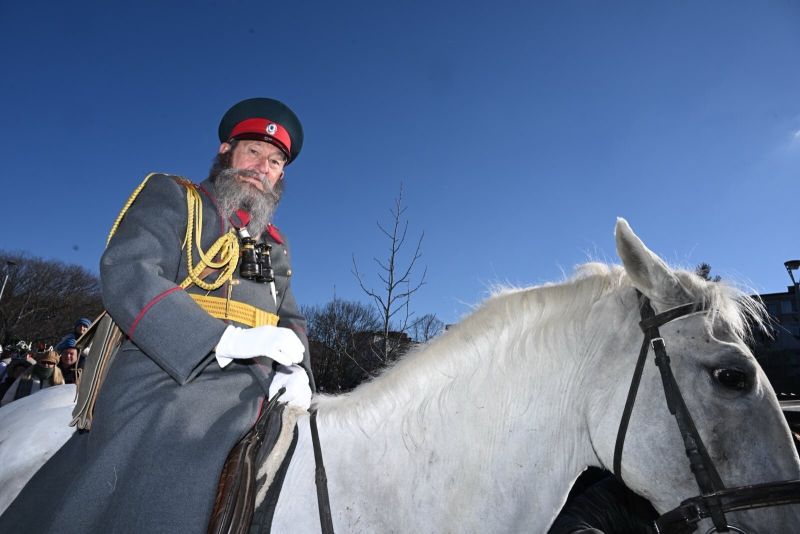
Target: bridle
(715, 499)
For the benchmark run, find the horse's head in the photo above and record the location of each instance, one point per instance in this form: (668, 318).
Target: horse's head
(532, 386)
(727, 394)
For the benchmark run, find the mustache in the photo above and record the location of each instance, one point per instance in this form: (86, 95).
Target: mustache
(250, 173)
(231, 174)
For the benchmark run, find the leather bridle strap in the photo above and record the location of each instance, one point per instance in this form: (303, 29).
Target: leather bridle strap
(626, 413)
(708, 478)
(706, 475)
(649, 320)
(691, 511)
(701, 465)
(715, 500)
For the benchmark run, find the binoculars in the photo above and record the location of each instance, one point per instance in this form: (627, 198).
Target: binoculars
(255, 262)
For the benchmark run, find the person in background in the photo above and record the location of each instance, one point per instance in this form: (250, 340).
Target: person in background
(15, 368)
(44, 374)
(23, 350)
(81, 326)
(5, 359)
(606, 506)
(71, 361)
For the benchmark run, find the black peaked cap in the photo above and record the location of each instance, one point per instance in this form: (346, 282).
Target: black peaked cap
(263, 108)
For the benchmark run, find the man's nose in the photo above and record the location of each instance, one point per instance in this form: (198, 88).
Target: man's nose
(262, 164)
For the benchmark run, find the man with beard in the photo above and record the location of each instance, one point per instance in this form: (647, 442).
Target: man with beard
(207, 340)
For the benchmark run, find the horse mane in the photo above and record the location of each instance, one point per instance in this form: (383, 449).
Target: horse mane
(553, 316)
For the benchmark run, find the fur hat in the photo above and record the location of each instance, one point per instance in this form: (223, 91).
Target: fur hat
(49, 356)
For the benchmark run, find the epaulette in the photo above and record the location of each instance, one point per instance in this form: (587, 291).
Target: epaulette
(180, 180)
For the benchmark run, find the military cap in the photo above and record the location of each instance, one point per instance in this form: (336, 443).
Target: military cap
(264, 119)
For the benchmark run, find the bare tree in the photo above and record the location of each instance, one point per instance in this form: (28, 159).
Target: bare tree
(339, 333)
(703, 270)
(426, 327)
(393, 296)
(43, 298)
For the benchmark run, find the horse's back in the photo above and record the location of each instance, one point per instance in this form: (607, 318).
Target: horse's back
(32, 429)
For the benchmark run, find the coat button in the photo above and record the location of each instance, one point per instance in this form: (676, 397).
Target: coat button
(288, 272)
(285, 252)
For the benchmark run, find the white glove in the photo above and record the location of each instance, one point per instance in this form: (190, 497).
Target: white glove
(295, 380)
(280, 344)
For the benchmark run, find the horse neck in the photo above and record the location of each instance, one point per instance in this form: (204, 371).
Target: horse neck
(489, 406)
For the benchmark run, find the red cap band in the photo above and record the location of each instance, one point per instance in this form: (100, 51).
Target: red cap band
(268, 129)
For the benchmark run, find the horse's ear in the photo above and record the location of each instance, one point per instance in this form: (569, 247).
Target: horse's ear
(647, 271)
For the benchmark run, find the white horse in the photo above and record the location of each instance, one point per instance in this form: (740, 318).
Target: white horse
(32, 429)
(486, 428)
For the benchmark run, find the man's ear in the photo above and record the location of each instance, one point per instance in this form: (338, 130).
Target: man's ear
(224, 147)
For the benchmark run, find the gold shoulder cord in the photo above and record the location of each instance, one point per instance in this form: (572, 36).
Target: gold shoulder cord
(226, 247)
(106, 335)
(127, 205)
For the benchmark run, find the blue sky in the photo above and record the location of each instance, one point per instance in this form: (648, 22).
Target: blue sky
(519, 130)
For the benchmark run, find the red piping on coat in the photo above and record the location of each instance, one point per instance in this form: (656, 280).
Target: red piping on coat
(260, 407)
(150, 305)
(298, 329)
(275, 234)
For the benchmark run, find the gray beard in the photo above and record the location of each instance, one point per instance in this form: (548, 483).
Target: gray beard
(233, 195)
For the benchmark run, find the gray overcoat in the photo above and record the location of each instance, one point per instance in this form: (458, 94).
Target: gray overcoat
(167, 415)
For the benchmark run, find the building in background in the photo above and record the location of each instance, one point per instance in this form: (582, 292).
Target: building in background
(780, 355)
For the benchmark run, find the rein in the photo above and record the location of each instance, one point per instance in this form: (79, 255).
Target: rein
(715, 499)
(321, 480)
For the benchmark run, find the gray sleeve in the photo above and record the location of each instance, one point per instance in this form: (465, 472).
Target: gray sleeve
(138, 276)
(290, 316)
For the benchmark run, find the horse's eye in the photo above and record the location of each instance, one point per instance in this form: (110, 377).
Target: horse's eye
(735, 379)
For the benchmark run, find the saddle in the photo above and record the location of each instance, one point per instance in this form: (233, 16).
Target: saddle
(254, 471)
